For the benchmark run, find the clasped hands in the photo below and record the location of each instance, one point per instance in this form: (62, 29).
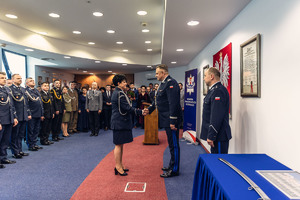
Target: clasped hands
(145, 111)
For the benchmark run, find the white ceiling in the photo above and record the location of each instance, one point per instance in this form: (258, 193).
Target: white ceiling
(121, 16)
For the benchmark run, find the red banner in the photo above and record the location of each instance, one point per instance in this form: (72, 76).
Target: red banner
(222, 61)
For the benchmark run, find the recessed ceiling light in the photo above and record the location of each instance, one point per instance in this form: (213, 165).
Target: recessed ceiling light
(11, 16)
(42, 33)
(98, 14)
(125, 50)
(124, 64)
(67, 57)
(109, 71)
(174, 62)
(84, 71)
(110, 31)
(149, 49)
(119, 42)
(29, 50)
(114, 73)
(142, 12)
(77, 32)
(149, 66)
(91, 73)
(97, 61)
(54, 15)
(179, 49)
(91, 43)
(193, 23)
(145, 30)
(147, 42)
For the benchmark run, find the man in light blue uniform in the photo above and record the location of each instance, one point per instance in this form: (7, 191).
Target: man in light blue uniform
(215, 119)
(8, 119)
(169, 116)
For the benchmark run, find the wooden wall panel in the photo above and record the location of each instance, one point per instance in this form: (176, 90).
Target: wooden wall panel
(101, 79)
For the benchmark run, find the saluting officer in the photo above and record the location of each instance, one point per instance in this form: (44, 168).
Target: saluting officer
(59, 107)
(169, 115)
(215, 118)
(37, 114)
(48, 114)
(74, 104)
(8, 119)
(94, 103)
(23, 115)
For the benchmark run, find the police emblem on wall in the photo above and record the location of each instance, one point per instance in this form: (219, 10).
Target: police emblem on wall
(190, 84)
(222, 61)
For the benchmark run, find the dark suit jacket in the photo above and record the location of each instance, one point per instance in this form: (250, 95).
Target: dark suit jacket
(20, 102)
(106, 99)
(47, 104)
(35, 102)
(7, 109)
(121, 118)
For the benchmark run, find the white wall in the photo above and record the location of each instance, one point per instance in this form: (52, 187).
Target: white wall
(178, 73)
(268, 124)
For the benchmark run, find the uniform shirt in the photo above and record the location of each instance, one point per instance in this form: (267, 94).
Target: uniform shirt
(94, 100)
(58, 100)
(48, 106)
(34, 101)
(168, 102)
(74, 99)
(215, 117)
(20, 102)
(7, 109)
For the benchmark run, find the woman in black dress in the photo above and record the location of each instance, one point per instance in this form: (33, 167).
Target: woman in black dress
(83, 117)
(121, 121)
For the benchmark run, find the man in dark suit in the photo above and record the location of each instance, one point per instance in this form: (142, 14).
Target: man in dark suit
(107, 107)
(37, 114)
(8, 119)
(215, 118)
(153, 92)
(23, 115)
(59, 108)
(169, 111)
(46, 123)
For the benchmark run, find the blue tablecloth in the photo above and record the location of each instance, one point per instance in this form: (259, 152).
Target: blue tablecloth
(215, 180)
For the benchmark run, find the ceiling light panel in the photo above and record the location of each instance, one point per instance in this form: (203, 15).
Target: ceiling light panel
(142, 12)
(54, 15)
(119, 42)
(77, 32)
(110, 31)
(98, 14)
(148, 42)
(193, 23)
(29, 50)
(145, 30)
(11, 16)
(179, 50)
(91, 43)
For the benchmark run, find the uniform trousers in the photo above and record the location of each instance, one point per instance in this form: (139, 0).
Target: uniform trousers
(94, 120)
(73, 121)
(33, 128)
(173, 140)
(56, 125)
(45, 130)
(17, 136)
(220, 147)
(5, 135)
(107, 118)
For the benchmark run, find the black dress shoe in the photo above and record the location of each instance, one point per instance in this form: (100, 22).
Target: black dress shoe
(24, 154)
(32, 149)
(117, 172)
(38, 147)
(17, 156)
(105, 129)
(169, 173)
(96, 134)
(6, 161)
(59, 138)
(45, 143)
(165, 168)
(50, 142)
(2, 166)
(92, 134)
(55, 139)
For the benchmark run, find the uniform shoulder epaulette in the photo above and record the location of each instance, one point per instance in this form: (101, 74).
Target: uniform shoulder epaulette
(169, 79)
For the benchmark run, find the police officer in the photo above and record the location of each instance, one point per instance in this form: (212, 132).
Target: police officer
(169, 111)
(23, 115)
(215, 118)
(37, 114)
(94, 103)
(46, 123)
(59, 108)
(8, 119)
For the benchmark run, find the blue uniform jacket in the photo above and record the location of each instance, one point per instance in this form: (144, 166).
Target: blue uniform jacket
(20, 102)
(35, 103)
(7, 109)
(168, 103)
(121, 118)
(215, 117)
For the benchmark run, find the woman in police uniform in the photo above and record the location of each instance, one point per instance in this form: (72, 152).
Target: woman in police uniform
(121, 121)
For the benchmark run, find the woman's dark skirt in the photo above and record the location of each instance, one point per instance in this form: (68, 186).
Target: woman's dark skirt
(122, 136)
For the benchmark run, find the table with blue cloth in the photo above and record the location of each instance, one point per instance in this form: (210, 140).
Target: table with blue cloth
(215, 180)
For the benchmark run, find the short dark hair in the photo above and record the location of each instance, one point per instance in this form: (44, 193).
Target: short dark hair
(56, 80)
(3, 73)
(102, 88)
(156, 84)
(180, 84)
(214, 71)
(143, 86)
(72, 82)
(44, 83)
(118, 78)
(163, 67)
(65, 87)
(151, 84)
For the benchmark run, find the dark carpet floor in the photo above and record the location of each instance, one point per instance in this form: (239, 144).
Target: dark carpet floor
(56, 171)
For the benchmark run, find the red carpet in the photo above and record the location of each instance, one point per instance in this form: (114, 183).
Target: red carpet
(144, 162)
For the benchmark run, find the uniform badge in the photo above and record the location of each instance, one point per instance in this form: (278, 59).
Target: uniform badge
(171, 86)
(17, 97)
(2, 99)
(217, 98)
